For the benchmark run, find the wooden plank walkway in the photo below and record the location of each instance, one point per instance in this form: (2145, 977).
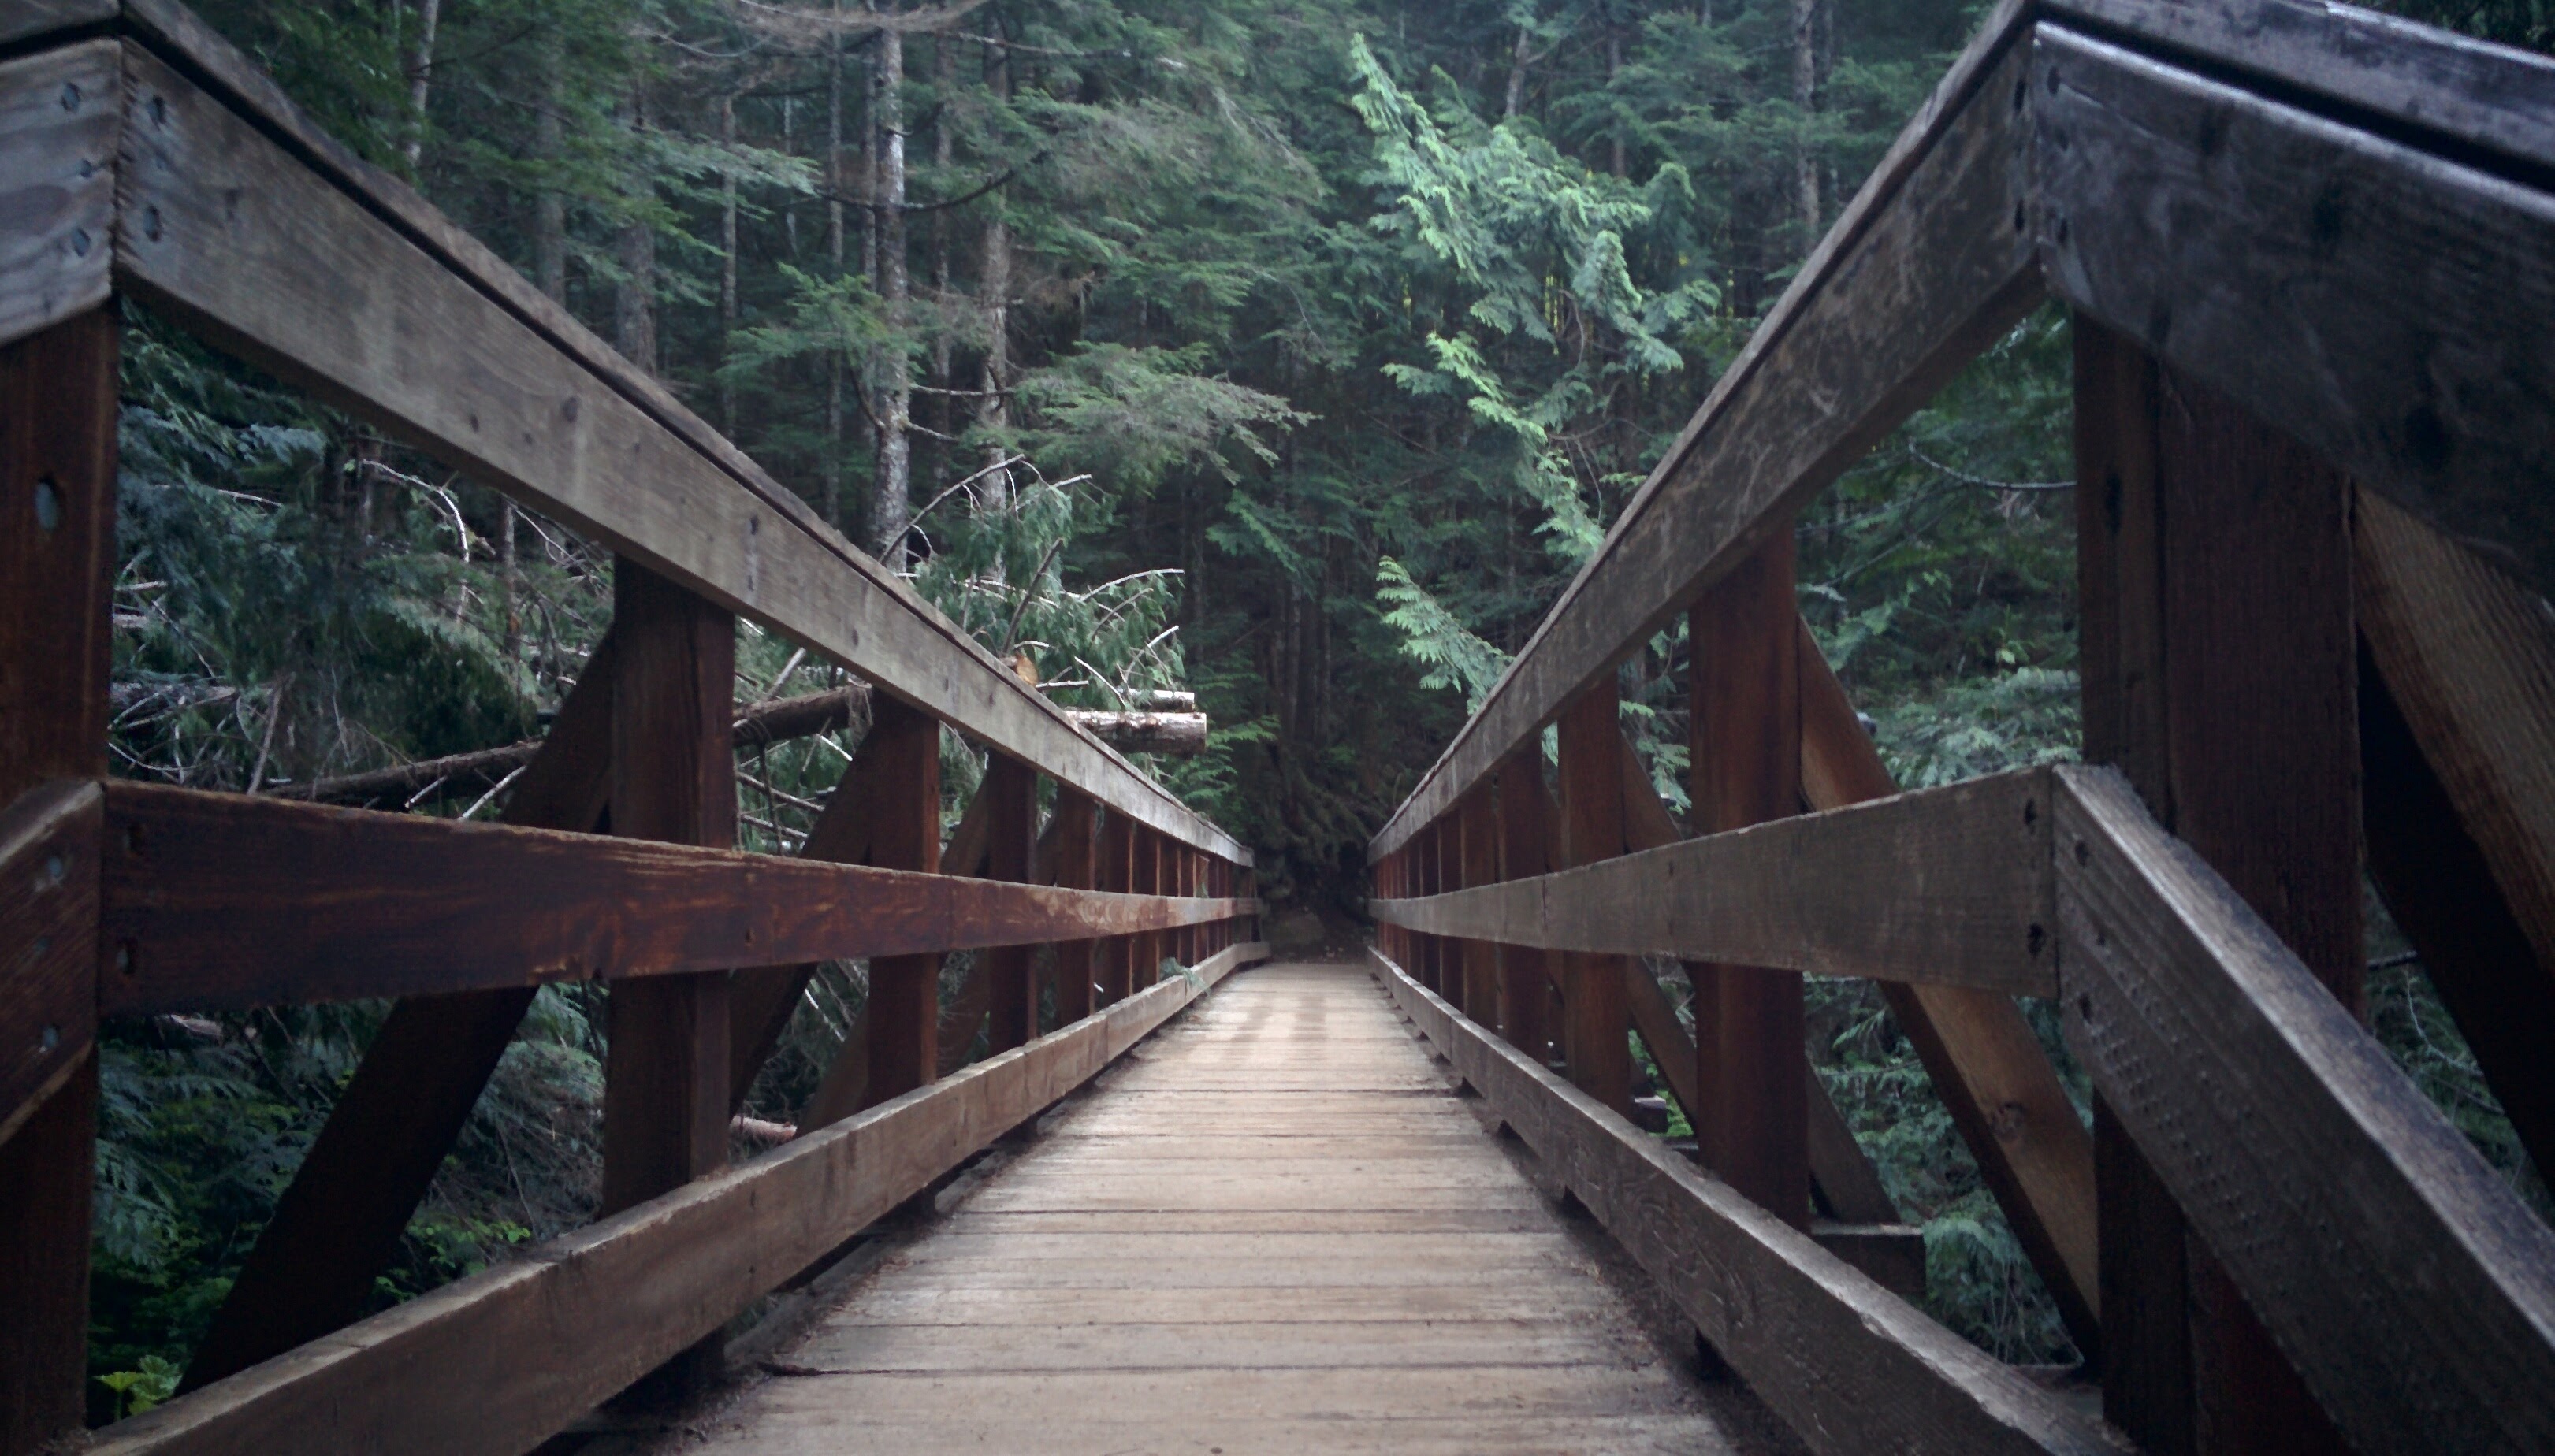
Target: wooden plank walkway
(1274, 1228)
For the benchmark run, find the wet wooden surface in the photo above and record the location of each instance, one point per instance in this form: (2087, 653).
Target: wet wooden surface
(1274, 1228)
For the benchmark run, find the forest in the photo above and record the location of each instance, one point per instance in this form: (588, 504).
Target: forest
(1294, 353)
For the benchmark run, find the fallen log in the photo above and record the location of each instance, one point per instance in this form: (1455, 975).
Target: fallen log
(780, 720)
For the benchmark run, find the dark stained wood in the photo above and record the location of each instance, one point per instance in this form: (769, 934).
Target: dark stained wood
(1116, 872)
(51, 841)
(1982, 1056)
(1526, 974)
(57, 568)
(1848, 1365)
(2226, 595)
(2382, 302)
(1941, 886)
(2440, 888)
(1073, 868)
(903, 1050)
(1010, 792)
(1743, 748)
(2297, 1148)
(674, 779)
(58, 168)
(1925, 266)
(1595, 1020)
(1478, 828)
(338, 1223)
(447, 1374)
(236, 901)
(1145, 953)
(278, 246)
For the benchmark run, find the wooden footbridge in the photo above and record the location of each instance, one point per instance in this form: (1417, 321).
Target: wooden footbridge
(2311, 255)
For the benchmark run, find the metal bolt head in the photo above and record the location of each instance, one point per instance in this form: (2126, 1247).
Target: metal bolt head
(159, 109)
(53, 868)
(51, 1038)
(49, 504)
(71, 96)
(79, 242)
(151, 223)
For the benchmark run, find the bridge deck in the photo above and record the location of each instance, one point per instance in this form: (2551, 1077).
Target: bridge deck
(1273, 1228)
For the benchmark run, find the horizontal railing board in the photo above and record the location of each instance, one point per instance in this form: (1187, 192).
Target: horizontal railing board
(2403, 1279)
(2386, 305)
(1926, 268)
(60, 114)
(502, 1360)
(222, 899)
(1851, 1366)
(238, 216)
(2392, 74)
(1944, 885)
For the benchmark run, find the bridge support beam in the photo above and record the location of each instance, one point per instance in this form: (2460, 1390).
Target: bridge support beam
(2214, 573)
(1596, 1022)
(1073, 871)
(1744, 732)
(1010, 792)
(1525, 973)
(57, 571)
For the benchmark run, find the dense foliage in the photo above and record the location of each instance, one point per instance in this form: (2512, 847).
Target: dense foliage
(1295, 351)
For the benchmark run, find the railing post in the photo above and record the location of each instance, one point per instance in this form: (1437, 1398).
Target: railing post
(1596, 1020)
(2219, 651)
(1011, 788)
(1744, 729)
(1526, 974)
(1145, 949)
(1432, 880)
(673, 779)
(1073, 867)
(1117, 871)
(1479, 829)
(56, 569)
(905, 990)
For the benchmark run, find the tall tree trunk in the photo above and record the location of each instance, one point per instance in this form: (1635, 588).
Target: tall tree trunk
(891, 505)
(420, 73)
(994, 299)
(1614, 67)
(944, 72)
(835, 181)
(727, 264)
(1517, 60)
(634, 298)
(1805, 97)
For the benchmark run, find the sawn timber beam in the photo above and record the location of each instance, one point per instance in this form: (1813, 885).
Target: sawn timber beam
(216, 900)
(1945, 885)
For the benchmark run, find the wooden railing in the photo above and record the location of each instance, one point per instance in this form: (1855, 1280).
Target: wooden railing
(2311, 258)
(140, 156)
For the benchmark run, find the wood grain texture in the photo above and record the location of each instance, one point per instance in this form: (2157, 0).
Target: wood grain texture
(1924, 269)
(445, 1373)
(1590, 776)
(1939, 887)
(2033, 1153)
(2458, 92)
(228, 901)
(338, 1223)
(57, 473)
(2297, 1148)
(1208, 1304)
(59, 115)
(2469, 656)
(343, 283)
(1010, 792)
(1071, 869)
(1525, 973)
(1852, 1366)
(2379, 302)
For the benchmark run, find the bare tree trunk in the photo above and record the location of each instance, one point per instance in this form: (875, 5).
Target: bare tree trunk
(420, 72)
(945, 71)
(727, 266)
(993, 291)
(1805, 96)
(892, 507)
(1517, 60)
